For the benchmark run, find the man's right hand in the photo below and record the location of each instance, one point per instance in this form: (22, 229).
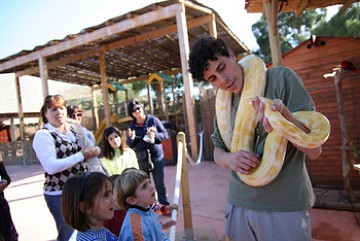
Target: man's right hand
(243, 161)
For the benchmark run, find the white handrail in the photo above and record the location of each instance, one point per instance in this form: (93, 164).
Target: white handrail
(177, 188)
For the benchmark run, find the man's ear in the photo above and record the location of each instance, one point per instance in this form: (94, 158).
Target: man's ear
(131, 200)
(231, 53)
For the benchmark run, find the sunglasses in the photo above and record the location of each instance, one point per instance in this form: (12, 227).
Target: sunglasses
(78, 114)
(136, 109)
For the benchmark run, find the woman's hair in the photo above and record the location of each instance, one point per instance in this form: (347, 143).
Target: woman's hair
(126, 184)
(50, 101)
(107, 149)
(207, 48)
(130, 108)
(72, 110)
(82, 187)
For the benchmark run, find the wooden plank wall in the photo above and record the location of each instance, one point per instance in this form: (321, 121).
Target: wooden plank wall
(311, 62)
(207, 103)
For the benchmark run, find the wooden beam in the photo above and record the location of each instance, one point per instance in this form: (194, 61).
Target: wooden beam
(212, 27)
(347, 4)
(121, 43)
(197, 7)
(44, 76)
(301, 7)
(141, 20)
(21, 114)
(271, 19)
(187, 79)
(274, 12)
(95, 109)
(102, 65)
(344, 135)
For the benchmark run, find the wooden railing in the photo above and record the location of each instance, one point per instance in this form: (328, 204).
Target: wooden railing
(182, 180)
(18, 153)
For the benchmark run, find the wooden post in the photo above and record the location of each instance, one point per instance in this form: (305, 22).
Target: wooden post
(12, 130)
(212, 27)
(21, 117)
(102, 64)
(95, 109)
(151, 104)
(116, 101)
(185, 190)
(270, 10)
(344, 135)
(187, 78)
(44, 76)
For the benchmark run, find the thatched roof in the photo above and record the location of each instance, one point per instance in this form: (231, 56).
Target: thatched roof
(297, 6)
(135, 44)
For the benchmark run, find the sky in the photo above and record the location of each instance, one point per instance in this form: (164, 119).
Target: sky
(26, 24)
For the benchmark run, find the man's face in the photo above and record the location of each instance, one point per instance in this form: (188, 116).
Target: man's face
(225, 73)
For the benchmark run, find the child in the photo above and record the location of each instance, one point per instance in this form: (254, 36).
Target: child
(94, 164)
(117, 156)
(87, 201)
(135, 193)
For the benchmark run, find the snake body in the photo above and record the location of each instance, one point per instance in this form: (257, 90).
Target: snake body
(242, 136)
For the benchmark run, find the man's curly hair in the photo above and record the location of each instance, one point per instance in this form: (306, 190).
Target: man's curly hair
(206, 49)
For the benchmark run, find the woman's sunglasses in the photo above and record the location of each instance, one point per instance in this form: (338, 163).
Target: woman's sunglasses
(136, 109)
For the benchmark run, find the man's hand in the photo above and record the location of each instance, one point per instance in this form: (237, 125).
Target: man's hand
(243, 161)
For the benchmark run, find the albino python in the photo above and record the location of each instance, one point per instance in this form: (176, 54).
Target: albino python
(242, 137)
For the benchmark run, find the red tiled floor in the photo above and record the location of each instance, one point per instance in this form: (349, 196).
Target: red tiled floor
(208, 187)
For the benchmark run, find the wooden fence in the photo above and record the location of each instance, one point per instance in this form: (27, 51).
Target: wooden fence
(18, 153)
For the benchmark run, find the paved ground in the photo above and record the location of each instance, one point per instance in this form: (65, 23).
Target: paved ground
(208, 186)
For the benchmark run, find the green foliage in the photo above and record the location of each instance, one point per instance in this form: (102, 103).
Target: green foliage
(292, 30)
(344, 23)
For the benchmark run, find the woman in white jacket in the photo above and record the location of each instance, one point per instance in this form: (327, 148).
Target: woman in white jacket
(58, 149)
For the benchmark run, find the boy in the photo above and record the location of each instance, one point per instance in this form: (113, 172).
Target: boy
(135, 193)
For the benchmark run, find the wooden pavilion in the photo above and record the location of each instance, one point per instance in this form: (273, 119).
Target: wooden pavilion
(125, 49)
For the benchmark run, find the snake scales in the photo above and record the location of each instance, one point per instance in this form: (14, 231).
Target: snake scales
(242, 137)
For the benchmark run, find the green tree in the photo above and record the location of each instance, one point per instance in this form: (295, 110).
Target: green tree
(292, 31)
(344, 23)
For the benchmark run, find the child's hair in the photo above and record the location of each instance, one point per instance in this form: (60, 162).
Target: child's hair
(207, 48)
(126, 185)
(107, 149)
(82, 187)
(113, 178)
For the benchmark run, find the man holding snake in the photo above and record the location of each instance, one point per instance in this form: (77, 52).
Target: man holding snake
(277, 210)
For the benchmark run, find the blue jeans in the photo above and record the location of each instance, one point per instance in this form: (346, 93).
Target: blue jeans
(54, 205)
(158, 176)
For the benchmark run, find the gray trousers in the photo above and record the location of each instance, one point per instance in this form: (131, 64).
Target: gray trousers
(248, 225)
